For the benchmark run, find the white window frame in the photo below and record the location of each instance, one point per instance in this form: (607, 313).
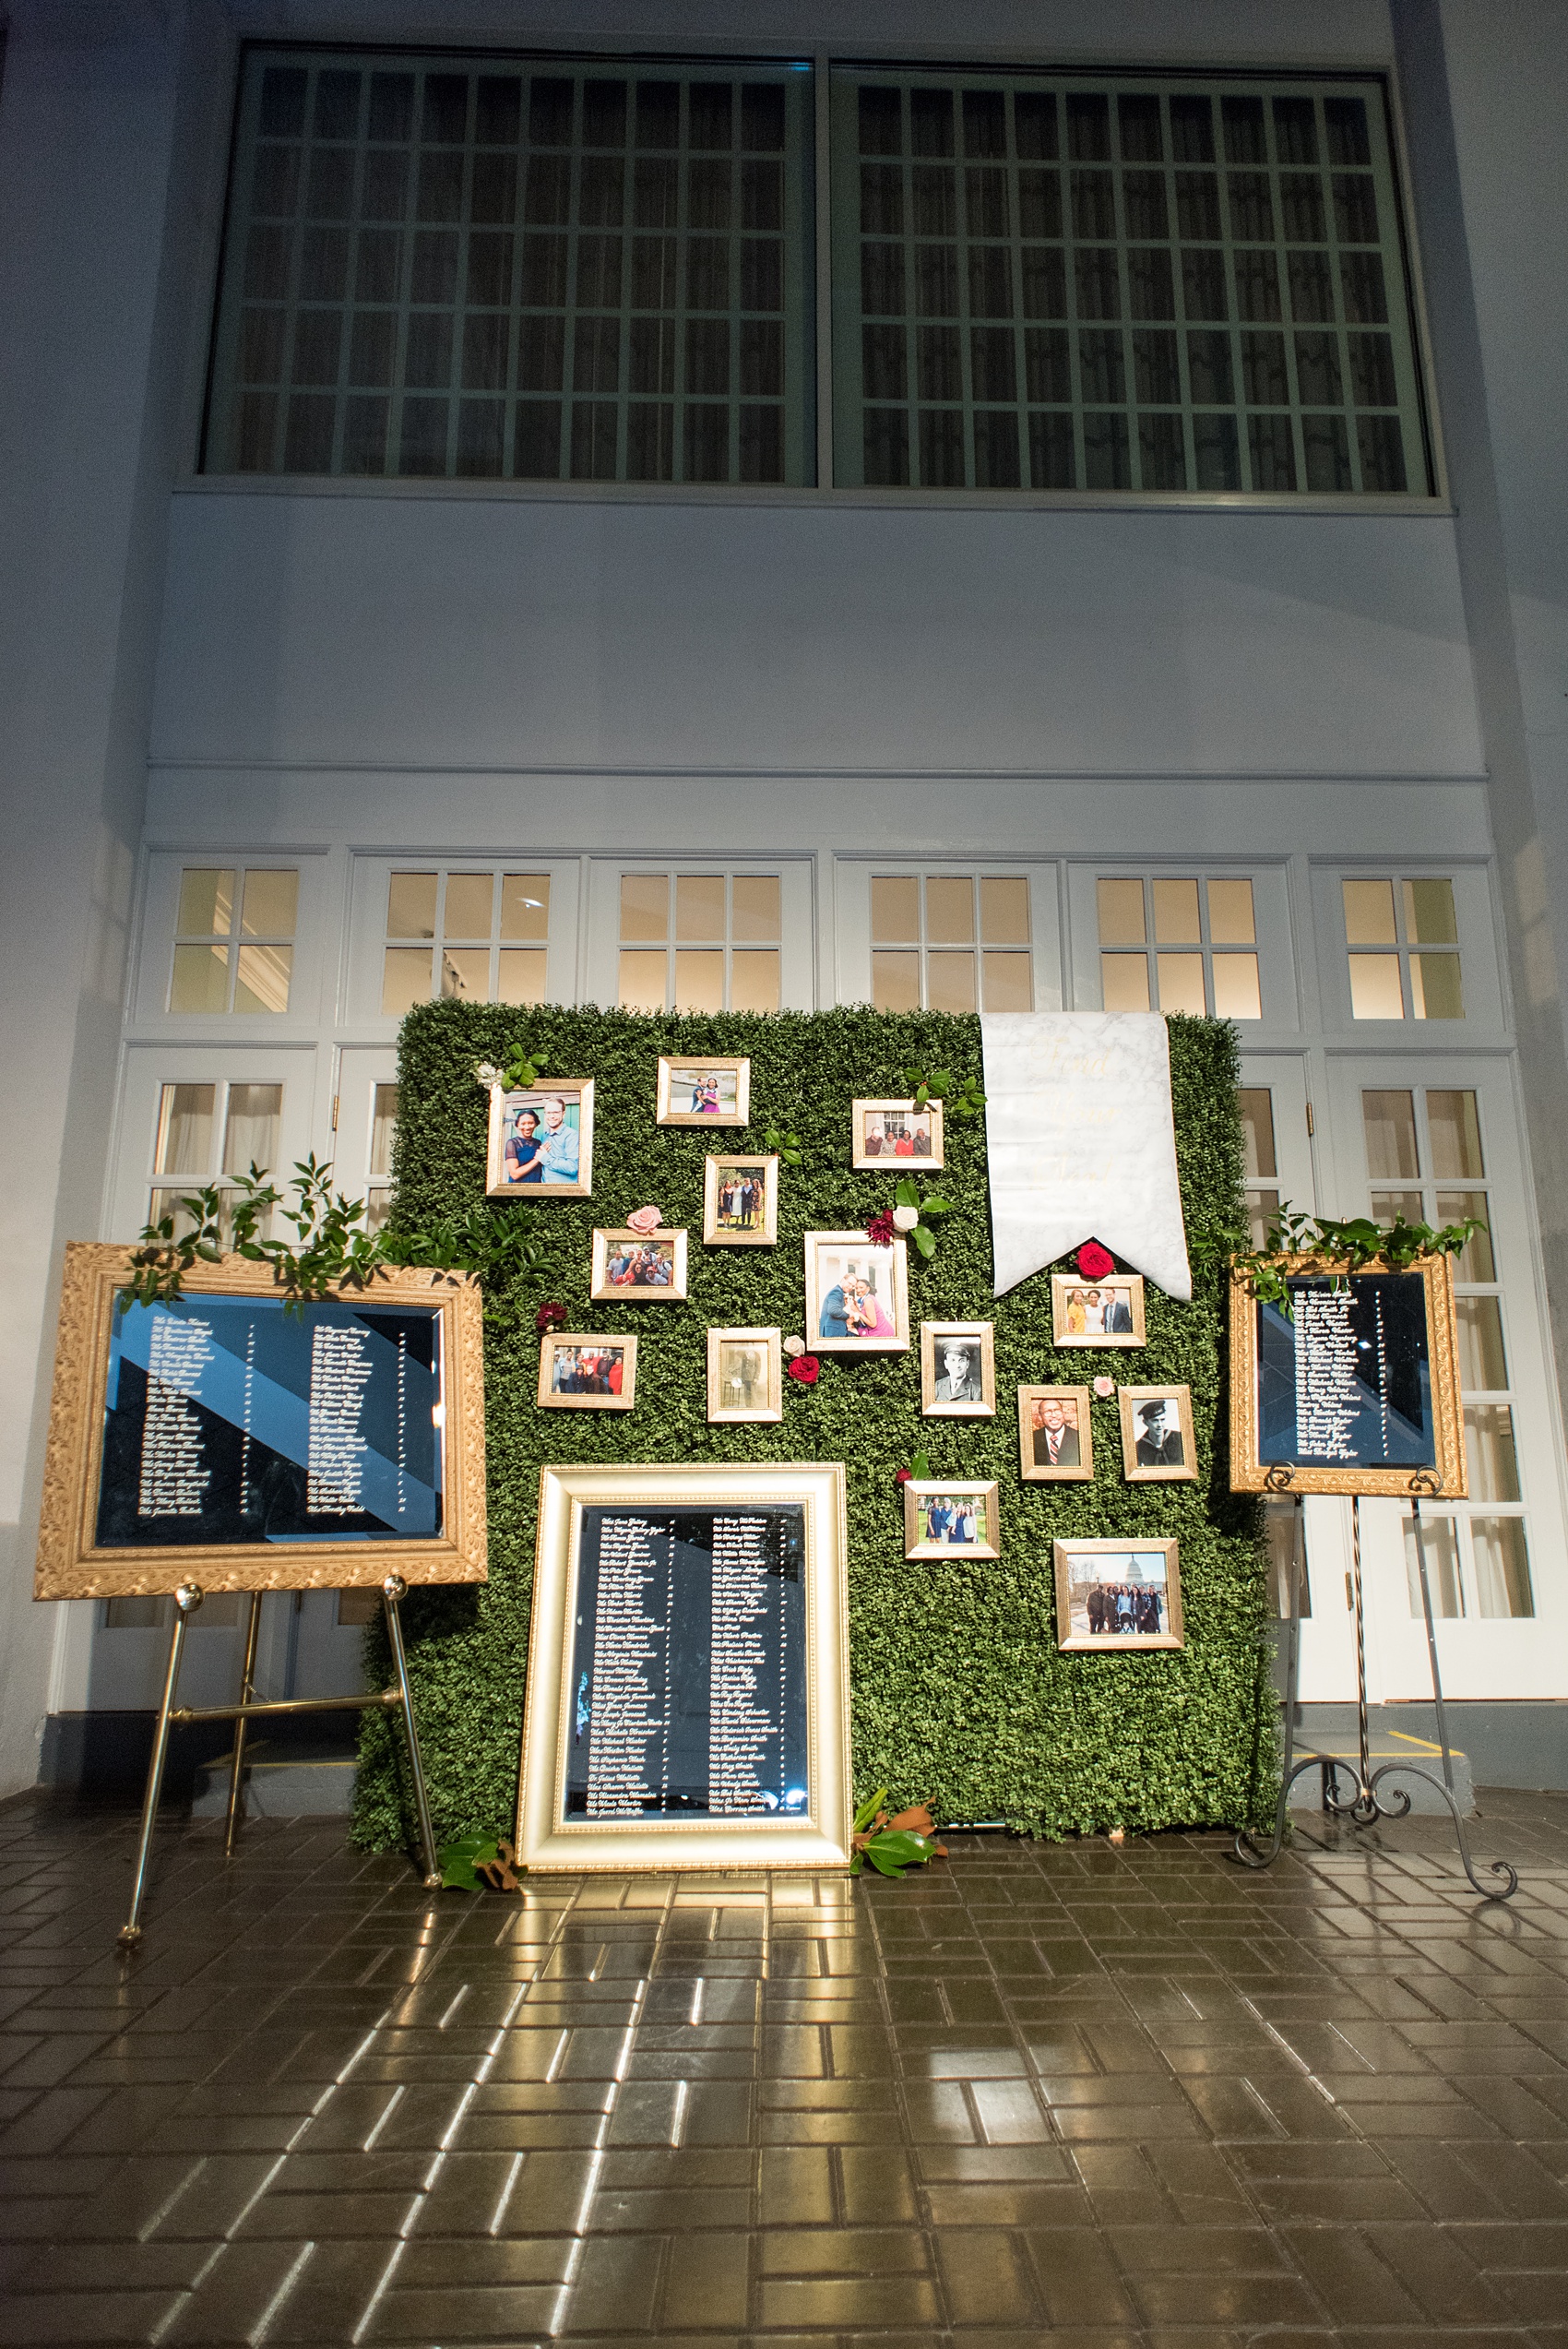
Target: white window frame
(796, 922)
(1480, 971)
(852, 877)
(1271, 916)
(154, 961)
(362, 1015)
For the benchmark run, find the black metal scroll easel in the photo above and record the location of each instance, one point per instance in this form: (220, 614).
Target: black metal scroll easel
(1365, 1806)
(400, 1698)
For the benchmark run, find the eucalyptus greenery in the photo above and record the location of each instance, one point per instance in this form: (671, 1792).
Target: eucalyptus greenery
(1337, 1249)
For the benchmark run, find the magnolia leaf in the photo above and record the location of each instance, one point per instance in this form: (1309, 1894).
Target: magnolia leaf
(868, 1810)
(936, 1207)
(925, 1241)
(906, 1194)
(458, 1861)
(920, 1466)
(894, 1850)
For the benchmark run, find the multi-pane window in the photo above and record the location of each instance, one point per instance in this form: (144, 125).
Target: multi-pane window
(1426, 1160)
(211, 1134)
(233, 938)
(700, 941)
(951, 942)
(1403, 942)
(1045, 283)
(1182, 943)
(481, 935)
(382, 1135)
(1262, 1165)
(525, 270)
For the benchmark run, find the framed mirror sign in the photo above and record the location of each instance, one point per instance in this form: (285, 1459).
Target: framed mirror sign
(688, 1675)
(1355, 1388)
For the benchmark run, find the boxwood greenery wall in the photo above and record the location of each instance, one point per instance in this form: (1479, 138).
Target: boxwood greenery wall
(959, 1695)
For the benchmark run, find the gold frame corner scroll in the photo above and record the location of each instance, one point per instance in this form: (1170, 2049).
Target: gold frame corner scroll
(547, 1840)
(71, 1563)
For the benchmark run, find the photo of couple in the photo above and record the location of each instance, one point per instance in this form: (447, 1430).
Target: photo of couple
(703, 1092)
(1055, 1442)
(1112, 1593)
(587, 1373)
(740, 1202)
(1098, 1313)
(647, 1265)
(744, 1375)
(957, 1370)
(857, 1294)
(942, 1519)
(1157, 1435)
(542, 1142)
(895, 1133)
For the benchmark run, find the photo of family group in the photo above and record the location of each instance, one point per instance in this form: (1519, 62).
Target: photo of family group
(745, 1376)
(740, 1207)
(1055, 1442)
(895, 1132)
(703, 1092)
(542, 1142)
(650, 1265)
(945, 1517)
(1157, 1435)
(1096, 1313)
(1118, 1594)
(587, 1373)
(957, 1370)
(857, 1294)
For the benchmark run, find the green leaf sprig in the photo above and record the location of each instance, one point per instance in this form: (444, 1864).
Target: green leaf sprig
(1346, 1247)
(960, 1096)
(892, 1846)
(907, 1195)
(789, 1147)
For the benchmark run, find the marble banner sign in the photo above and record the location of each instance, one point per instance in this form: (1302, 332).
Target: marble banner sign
(1080, 1142)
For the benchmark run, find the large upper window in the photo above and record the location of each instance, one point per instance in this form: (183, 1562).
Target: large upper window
(538, 271)
(596, 270)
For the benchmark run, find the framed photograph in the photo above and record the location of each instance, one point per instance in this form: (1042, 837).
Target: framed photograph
(244, 1442)
(1055, 1437)
(951, 1518)
(745, 1376)
(1157, 1435)
(704, 1093)
(740, 1202)
(957, 1370)
(688, 1682)
(1096, 1313)
(1356, 1390)
(542, 1142)
(894, 1133)
(857, 1294)
(579, 1370)
(647, 1266)
(1118, 1594)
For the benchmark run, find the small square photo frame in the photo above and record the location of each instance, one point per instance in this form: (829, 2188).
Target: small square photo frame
(1157, 1435)
(703, 1091)
(646, 1268)
(740, 1202)
(957, 1370)
(951, 1517)
(857, 1294)
(587, 1370)
(1133, 1584)
(895, 1134)
(1080, 1309)
(541, 1142)
(1059, 1415)
(745, 1377)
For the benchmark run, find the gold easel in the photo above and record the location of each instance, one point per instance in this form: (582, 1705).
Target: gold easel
(187, 1598)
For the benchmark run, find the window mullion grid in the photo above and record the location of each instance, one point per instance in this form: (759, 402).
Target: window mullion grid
(456, 365)
(511, 389)
(733, 435)
(1287, 287)
(681, 314)
(1124, 301)
(911, 302)
(1188, 419)
(965, 248)
(346, 313)
(396, 394)
(1015, 287)
(1337, 285)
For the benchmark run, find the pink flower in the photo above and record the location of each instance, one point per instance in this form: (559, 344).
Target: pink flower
(1104, 1387)
(1095, 1262)
(550, 1316)
(646, 1218)
(804, 1368)
(879, 1231)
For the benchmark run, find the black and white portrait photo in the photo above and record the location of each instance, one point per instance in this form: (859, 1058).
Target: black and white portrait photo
(957, 1370)
(1157, 1435)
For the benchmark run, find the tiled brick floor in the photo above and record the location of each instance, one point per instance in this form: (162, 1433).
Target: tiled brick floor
(1061, 2094)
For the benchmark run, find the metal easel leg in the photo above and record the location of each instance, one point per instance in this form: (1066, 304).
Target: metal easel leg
(248, 1686)
(187, 1598)
(1246, 1849)
(1364, 1810)
(392, 1590)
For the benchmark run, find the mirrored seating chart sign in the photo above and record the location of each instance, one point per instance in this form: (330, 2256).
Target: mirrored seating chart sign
(686, 1695)
(1354, 1389)
(235, 1439)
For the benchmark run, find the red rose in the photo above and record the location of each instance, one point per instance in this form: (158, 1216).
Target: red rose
(804, 1368)
(879, 1231)
(902, 1476)
(550, 1316)
(1095, 1262)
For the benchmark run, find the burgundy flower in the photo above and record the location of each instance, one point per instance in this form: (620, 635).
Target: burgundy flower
(902, 1476)
(550, 1316)
(1095, 1262)
(804, 1369)
(879, 1231)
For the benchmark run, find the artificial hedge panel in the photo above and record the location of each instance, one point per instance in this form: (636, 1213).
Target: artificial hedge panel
(959, 1695)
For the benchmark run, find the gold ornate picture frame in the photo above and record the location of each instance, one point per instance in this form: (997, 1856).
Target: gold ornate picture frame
(641, 1268)
(733, 1216)
(529, 1146)
(1096, 1313)
(703, 1091)
(1261, 1462)
(580, 1810)
(745, 1377)
(94, 1344)
(1158, 1446)
(587, 1370)
(952, 1517)
(1109, 1592)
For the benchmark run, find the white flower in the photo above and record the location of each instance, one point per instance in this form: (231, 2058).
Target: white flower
(905, 1218)
(488, 1074)
(793, 1346)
